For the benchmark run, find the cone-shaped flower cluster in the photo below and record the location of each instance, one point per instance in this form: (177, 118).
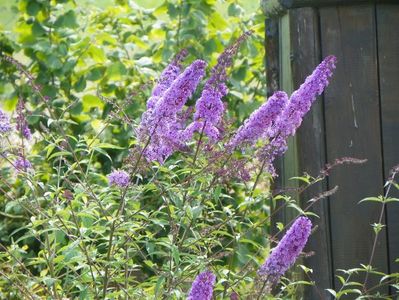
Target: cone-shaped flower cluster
(202, 287)
(260, 121)
(167, 77)
(209, 107)
(299, 104)
(161, 126)
(119, 178)
(287, 251)
(302, 99)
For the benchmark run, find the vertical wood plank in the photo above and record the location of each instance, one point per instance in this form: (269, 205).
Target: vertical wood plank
(272, 55)
(305, 52)
(353, 129)
(290, 159)
(272, 49)
(388, 54)
(286, 165)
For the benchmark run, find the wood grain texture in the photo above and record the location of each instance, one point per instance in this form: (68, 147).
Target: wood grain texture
(352, 113)
(272, 49)
(286, 166)
(387, 17)
(277, 8)
(305, 45)
(272, 56)
(319, 3)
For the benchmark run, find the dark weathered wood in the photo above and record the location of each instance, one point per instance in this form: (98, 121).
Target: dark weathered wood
(275, 8)
(305, 51)
(353, 129)
(285, 166)
(388, 54)
(272, 57)
(272, 79)
(318, 3)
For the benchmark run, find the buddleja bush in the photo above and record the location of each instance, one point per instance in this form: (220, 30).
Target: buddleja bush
(105, 201)
(182, 203)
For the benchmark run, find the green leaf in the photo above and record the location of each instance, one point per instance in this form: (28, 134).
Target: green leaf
(103, 152)
(109, 146)
(158, 286)
(96, 73)
(332, 292)
(32, 8)
(379, 199)
(115, 71)
(67, 20)
(280, 226)
(58, 154)
(53, 62)
(80, 84)
(91, 101)
(234, 10)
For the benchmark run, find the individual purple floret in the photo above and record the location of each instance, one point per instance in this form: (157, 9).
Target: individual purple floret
(119, 178)
(287, 251)
(22, 164)
(202, 287)
(209, 107)
(162, 123)
(260, 121)
(5, 125)
(22, 124)
(168, 75)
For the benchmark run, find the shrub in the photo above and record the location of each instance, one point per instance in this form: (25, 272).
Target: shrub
(103, 198)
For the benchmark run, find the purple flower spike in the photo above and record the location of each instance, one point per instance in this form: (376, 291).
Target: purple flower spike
(22, 164)
(5, 125)
(291, 117)
(167, 77)
(287, 251)
(119, 178)
(260, 121)
(302, 99)
(163, 124)
(180, 90)
(209, 107)
(202, 287)
(22, 124)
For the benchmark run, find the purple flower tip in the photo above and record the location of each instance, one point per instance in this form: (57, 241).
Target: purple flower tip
(202, 287)
(287, 250)
(163, 124)
(5, 125)
(22, 124)
(119, 178)
(22, 164)
(260, 121)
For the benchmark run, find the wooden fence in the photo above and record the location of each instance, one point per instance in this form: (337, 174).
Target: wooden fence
(358, 116)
